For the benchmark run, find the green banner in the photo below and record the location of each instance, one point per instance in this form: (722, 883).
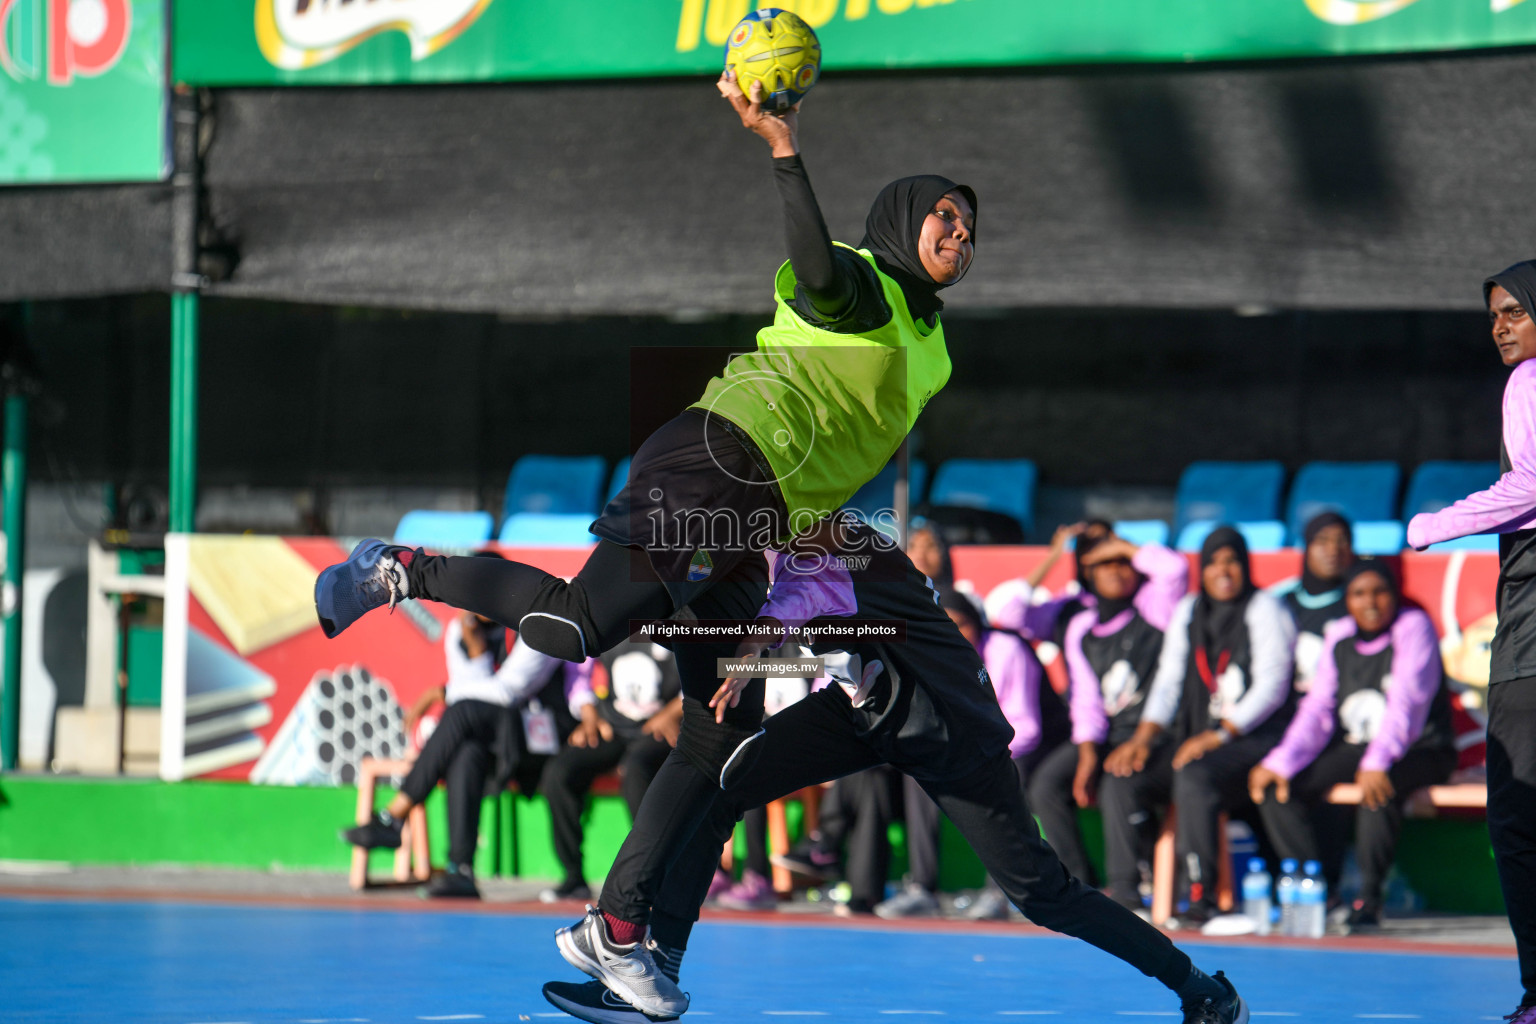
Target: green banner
(316, 42)
(83, 91)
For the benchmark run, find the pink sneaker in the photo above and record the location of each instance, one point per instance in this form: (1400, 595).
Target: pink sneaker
(1524, 1015)
(722, 882)
(751, 893)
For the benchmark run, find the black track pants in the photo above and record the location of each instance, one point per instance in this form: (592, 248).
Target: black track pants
(1050, 794)
(613, 588)
(1307, 827)
(1131, 808)
(459, 752)
(816, 739)
(1512, 812)
(570, 774)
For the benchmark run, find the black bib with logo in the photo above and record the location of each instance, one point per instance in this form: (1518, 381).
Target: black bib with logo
(1125, 662)
(1361, 702)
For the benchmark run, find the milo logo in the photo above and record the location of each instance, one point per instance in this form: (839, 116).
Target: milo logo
(298, 34)
(1359, 12)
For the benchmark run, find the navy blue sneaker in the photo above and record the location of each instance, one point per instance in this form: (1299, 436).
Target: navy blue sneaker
(1229, 1009)
(594, 1003)
(370, 577)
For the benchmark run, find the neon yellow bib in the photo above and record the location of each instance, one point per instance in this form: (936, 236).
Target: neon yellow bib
(829, 410)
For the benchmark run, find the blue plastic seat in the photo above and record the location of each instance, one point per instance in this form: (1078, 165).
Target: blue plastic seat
(1476, 542)
(619, 478)
(1231, 492)
(1142, 531)
(429, 529)
(1379, 537)
(880, 492)
(1362, 491)
(997, 485)
(555, 484)
(1267, 535)
(1435, 485)
(547, 530)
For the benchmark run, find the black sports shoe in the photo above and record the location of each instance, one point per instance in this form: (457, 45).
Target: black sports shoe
(453, 883)
(593, 1002)
(374, 834)
(808, 859)
(1362, 916)
(1229, 1009)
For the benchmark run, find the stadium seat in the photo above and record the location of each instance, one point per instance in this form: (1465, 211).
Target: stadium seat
(1436, 484)
(1262, 536)
(429, 529)
(997, 485)
(542, 530)
(1363, 491)
(1476, 542)
(880, 493)
(1244, 492)
(1379, 537)
(1142, 531)
(555, 484)
(619, 478)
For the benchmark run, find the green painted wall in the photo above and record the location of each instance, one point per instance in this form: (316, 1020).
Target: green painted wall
(234, 824)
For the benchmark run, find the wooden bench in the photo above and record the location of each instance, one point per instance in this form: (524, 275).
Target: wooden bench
(1423, 803)
(413, 858)
(1427, 802)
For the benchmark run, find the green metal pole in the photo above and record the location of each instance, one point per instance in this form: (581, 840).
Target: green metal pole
(183, 411)
(13, 519)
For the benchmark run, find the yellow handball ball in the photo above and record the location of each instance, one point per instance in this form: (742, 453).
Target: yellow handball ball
(777, 48)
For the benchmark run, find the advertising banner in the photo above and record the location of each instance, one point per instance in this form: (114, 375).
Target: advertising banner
(316, 42)
(83, 91)
(253, 690)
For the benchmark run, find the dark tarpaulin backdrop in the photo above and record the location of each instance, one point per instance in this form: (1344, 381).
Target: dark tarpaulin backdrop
(1378, 184)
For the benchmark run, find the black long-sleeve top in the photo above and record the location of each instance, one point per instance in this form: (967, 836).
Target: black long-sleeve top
(835, 290)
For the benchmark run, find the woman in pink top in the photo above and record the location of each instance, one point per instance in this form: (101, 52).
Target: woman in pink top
(1378, 715)
(1111, 648)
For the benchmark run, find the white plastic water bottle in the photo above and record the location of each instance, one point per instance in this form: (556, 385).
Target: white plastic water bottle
(1256, 897)
(1312, 902)
(1285, 892)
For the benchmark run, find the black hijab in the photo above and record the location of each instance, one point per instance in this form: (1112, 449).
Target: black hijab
(1217, 624)
(1519, 280)
(1106, 609)
(946, 574)
(1310, 581)
(891, 232)
(1375, 565)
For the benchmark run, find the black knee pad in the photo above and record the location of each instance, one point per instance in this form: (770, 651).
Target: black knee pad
(710, 746)
(555, 635)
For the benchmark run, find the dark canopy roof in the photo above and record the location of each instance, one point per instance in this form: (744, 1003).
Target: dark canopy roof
(1381, 184)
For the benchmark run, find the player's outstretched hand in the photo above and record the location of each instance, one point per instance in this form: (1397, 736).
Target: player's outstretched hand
(780, 131)
(729, 694)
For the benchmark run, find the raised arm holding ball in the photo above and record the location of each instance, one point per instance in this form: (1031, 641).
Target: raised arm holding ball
(782, 438)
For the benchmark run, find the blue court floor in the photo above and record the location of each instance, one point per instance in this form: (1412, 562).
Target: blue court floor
(65, 961)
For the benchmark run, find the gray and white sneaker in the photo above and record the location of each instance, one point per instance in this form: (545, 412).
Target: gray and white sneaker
(630, 971)
(593, 1002)
(912, 901)
(989, 905)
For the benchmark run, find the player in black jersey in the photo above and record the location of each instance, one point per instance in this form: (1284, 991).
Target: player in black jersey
(925, 705)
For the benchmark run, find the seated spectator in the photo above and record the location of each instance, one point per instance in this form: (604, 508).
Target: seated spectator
(630, 716)
(1040, 725)
(1016, 604)
(1316, 597)
(1112, 653)
(1378, 715)
(1223, 696)
(930, 553)
(504, 720)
